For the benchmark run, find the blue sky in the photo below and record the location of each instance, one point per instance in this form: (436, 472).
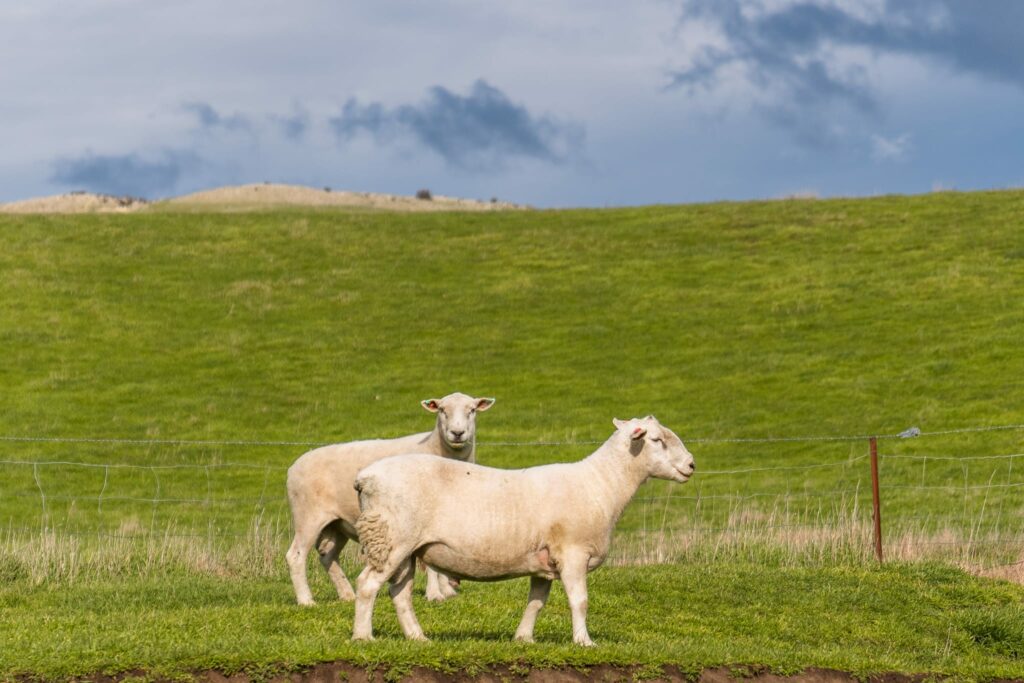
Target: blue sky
(560, 103)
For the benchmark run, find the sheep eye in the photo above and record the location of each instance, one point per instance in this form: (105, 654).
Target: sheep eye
(656, 439)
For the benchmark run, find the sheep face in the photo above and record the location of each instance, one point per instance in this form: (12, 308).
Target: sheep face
(665, 453)
(456, 417)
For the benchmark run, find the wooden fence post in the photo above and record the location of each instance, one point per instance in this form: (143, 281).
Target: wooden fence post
(875, 498)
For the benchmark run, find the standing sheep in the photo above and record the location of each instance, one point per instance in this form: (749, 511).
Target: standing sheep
(324, 503)
(547, 522)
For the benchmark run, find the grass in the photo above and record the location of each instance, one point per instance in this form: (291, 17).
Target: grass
(754, 319)
(854, 316)
(837, 317)
(48, 555)
(918, 618)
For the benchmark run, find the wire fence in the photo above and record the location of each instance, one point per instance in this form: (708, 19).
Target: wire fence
(912, 432)
(775, 491)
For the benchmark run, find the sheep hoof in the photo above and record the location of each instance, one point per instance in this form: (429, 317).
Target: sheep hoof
(306, 603)
(523, 639)
(436, 597)
(364, 638)
(587, 642)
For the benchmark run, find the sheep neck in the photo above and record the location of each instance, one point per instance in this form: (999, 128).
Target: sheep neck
(614, 476)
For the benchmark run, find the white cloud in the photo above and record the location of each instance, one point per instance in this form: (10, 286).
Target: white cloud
(804, 193)
(890, 149)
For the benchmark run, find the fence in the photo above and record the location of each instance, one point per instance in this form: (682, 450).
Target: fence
(823, 495)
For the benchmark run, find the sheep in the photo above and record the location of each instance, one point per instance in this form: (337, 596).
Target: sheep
(481, 523)
(324, 504)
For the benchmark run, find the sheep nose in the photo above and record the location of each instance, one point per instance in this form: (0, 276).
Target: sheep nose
(457, 435)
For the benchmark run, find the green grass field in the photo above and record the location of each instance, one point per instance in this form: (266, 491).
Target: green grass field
(922, 618)
(750, 320)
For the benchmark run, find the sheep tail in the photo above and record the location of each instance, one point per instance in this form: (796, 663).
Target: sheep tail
(374, 539)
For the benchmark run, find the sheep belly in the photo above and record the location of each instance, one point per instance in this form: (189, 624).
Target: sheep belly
(487, 566)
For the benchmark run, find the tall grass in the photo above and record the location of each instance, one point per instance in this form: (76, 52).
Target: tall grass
(842, 535)
(51, 555)
(780, 537)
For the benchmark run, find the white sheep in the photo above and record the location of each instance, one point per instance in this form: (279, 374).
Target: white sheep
(324, 503)
(473, 522)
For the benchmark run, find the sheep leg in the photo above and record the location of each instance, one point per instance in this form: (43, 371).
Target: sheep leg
(539, 590)
(439, 588)
(332, 540)
(574, 579)
(368, 585)
(305, 536)
(433, 590)
(401, 596)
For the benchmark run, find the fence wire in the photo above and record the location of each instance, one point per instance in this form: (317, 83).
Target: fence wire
(750, 502)
(911, 433)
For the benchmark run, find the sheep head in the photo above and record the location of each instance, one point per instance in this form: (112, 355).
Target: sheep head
(665, 454)
(456, 417)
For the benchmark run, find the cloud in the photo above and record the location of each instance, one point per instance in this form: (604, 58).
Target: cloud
(125, 174)
(480, 130)
(803, 193)
(294, 126)
(790, 55)
(890, 149)
(209, 118)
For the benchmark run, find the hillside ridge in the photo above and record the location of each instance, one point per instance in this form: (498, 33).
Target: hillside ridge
(253, 196)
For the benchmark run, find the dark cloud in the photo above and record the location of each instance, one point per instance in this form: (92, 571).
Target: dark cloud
(788, 53)
(480, 130)
(209, 118)
(293, 127)
(126, 174)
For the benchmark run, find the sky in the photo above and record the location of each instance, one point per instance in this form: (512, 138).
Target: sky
(556, 103)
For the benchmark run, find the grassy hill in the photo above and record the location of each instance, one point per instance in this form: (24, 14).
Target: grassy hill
(752, 320)
(789, 317)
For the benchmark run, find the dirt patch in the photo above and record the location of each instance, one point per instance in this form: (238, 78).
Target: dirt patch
(343, 672)
(76, 202)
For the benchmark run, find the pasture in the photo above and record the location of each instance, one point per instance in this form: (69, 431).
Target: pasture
(162, 369)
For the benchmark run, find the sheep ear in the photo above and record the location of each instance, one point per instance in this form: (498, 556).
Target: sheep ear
(638, 433)
(484, 403)
(619, 424)
(430, 404)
